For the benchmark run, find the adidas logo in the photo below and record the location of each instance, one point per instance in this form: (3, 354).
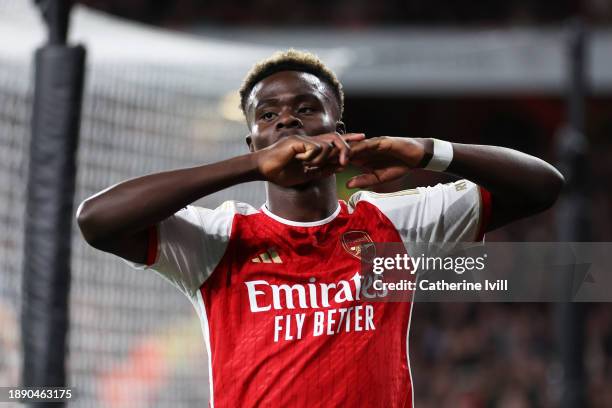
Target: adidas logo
(270, 256)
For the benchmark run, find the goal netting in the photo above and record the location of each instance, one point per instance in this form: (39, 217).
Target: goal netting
(153, 101)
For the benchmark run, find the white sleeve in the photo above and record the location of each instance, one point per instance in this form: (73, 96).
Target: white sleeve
(186, 247)
(445, 213)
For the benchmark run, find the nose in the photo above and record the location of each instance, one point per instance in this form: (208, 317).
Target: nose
(288, 121)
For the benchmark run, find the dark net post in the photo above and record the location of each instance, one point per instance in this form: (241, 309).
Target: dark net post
(572, 216)
(59, 73)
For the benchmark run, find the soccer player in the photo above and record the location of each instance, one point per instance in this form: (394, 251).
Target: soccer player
(277, 288)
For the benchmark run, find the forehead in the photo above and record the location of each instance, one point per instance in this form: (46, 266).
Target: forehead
(287, 83)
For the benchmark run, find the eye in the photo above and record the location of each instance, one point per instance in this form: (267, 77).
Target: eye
(267, 116)
(306, 109)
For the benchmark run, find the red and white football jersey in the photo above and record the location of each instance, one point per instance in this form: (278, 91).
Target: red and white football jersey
(279, 301)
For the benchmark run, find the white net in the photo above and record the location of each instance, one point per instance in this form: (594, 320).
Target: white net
(134, 340)
(14, 136)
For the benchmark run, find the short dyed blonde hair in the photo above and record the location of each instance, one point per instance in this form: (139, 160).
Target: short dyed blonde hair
(291, 60)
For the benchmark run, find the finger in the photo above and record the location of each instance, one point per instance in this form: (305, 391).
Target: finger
(326, 151)
(336, 152)
(363, 180)
(344, 149)
(331, 160)
(352, 137)
(365, 146)
(309, 150)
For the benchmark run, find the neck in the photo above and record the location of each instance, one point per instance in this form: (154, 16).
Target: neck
(306, 203)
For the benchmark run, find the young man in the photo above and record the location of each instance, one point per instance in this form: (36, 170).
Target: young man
(277, 288)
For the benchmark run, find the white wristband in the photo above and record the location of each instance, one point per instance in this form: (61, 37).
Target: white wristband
(442, 156)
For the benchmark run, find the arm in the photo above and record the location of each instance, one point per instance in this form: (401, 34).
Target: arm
(117, 219)
(520, 184)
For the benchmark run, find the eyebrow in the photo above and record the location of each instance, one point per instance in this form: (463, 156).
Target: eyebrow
(269, 101)
(275, 101)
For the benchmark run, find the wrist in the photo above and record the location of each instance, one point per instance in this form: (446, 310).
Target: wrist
(254, 172)
(415, 152)
(441, 155)
(242, 169)
(427, 145)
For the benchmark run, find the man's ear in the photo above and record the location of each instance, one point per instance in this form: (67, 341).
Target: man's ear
(340, 127)
(249, 143)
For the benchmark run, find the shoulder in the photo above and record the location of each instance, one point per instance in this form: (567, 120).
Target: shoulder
(213, 223)
(236, 207)
(414, 195)
(446, 212)
(381, 198)
(226, 209)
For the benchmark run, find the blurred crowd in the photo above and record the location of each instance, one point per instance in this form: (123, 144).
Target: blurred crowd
(502, 355)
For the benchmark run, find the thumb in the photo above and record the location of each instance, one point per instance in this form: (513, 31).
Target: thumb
(307, 150)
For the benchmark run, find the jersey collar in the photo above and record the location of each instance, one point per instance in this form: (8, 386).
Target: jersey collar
(285, 221)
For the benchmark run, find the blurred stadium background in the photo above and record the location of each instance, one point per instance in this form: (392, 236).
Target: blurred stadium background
(160, 93)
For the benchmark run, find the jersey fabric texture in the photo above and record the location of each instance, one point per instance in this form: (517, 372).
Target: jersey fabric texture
(279, 301)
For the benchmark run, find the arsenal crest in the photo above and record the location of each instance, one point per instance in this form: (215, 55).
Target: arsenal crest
(359, 244)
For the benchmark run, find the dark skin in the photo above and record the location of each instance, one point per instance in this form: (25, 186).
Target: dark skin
(297, 143)
(294, 103)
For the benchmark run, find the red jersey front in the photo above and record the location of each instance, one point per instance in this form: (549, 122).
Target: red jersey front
(283, 316)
